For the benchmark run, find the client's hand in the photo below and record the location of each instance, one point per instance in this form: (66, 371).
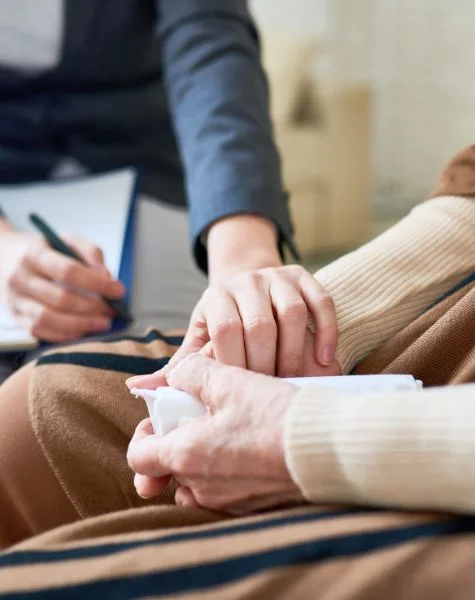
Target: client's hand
(52, 296)
(232, 459)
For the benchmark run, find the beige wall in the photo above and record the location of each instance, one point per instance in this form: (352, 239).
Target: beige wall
(418, 57)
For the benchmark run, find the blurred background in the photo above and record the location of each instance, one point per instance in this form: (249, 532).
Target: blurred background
(369, 100)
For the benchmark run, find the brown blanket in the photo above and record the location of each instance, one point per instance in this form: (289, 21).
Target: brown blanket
(83, 418)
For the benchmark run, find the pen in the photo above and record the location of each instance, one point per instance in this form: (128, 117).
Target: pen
(57, 244)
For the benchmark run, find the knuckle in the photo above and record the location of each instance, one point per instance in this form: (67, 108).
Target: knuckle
(295, 310)
(184, 461)
(13, 280)
(294, 271)
(68, 272)
(224, 329)
(260, 325)
(250, 280)
(325, 302)
(61, 299)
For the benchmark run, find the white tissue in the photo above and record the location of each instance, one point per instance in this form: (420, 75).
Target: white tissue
(168, 408)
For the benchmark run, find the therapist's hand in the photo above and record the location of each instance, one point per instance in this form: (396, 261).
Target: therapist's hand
(231, 459)
(255, 311)
(52, 296)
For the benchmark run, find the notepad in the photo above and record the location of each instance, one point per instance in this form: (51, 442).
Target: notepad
(99, 208)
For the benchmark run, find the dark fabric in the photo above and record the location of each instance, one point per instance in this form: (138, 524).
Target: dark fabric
(106, 105)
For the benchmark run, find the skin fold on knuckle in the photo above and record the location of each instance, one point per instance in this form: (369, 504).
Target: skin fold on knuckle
(224, 329)
(261, 327)
(294, 310)
(325, 303)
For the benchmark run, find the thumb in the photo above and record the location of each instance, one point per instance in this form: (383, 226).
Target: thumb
(148, 382)
(205, 379)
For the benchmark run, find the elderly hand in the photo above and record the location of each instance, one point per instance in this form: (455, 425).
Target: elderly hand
(51, 295)
(231, 459)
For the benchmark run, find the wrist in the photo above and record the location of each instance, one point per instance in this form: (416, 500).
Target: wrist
(241, 243)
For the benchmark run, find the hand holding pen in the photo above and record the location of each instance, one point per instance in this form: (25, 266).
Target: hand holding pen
(56, 297)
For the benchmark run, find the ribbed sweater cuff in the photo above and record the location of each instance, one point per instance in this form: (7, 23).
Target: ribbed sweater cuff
(411, 449)
(387, 283)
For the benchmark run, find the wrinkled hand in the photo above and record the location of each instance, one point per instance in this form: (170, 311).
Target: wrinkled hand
(258, 320)
(231, 459)
(53, 296)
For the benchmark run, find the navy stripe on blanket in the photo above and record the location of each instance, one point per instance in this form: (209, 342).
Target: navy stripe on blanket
(466, 281)
(151, 336)
(207, 576)
(46, 556)
(135, 365)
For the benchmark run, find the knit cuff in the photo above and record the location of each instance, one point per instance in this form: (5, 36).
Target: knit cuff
(387, 283)
(406, 449)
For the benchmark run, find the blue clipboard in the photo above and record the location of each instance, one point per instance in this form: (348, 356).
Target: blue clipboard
(126, 269)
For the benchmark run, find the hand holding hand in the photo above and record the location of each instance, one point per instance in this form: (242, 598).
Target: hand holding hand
(259, 320)
(231, 459)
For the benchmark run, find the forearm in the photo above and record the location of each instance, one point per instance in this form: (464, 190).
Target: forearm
(386, 284)
(414, 450)
(219, 101)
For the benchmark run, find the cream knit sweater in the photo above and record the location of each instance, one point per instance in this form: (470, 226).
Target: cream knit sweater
(413, 450)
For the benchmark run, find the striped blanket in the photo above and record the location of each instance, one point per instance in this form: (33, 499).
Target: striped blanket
(112, 544)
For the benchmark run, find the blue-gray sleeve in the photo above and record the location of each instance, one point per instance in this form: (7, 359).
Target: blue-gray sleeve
(219, 101)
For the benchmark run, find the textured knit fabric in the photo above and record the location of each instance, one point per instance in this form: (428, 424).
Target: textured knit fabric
(82, 417)
(175, 89)
(387, 283)
(411, 450)
(299, 554)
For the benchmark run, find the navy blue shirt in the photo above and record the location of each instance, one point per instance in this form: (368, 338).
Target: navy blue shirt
(173, 87)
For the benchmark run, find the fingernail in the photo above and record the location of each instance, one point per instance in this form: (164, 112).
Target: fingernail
(328, 354)
(143, 496)
(102, 324)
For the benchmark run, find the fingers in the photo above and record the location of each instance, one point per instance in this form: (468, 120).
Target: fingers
(148, 382)
(150, 487)
(153, 456)
(143, 430)
(53, 265)
(208, 380)
(252, 297)
(322, 308)
(57, 297)
(185, 497)
(90, 253)
(54, 326)
(147, 487)
(159, 378)
(291, 312)
(225, 329)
